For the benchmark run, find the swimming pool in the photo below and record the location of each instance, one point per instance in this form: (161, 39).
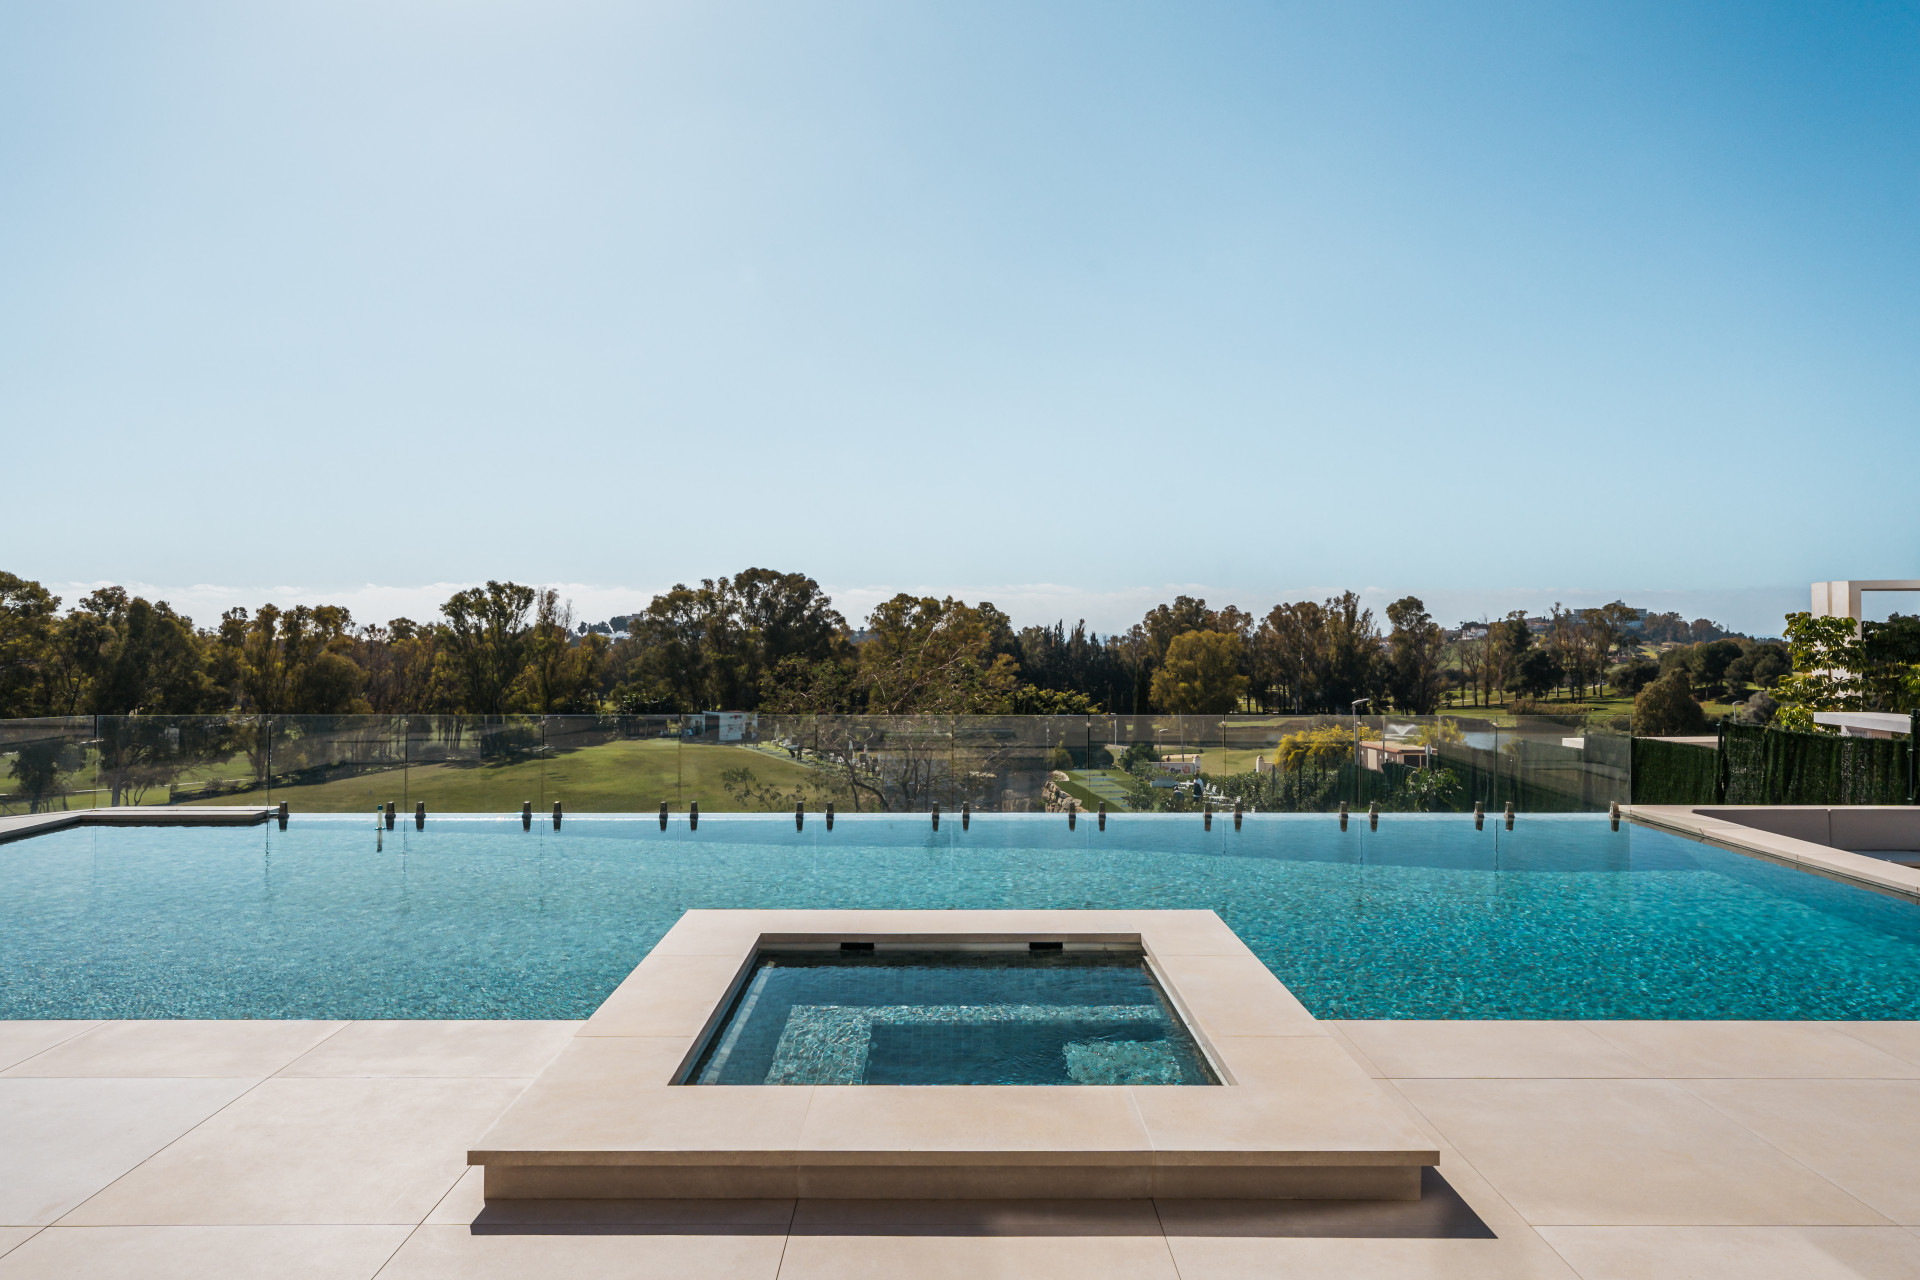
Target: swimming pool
(476, 918)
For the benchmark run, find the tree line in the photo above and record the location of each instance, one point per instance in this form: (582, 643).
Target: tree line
(771, 641)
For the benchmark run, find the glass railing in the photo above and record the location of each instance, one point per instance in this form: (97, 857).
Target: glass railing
(770, 763)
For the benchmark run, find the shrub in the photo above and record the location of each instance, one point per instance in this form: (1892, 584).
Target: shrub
(1631, 677)
(1666, 708)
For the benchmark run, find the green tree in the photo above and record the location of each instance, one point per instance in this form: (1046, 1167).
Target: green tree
(1508, 641)
(294, 662)
(1414, 649)
(926, 655)
(1632, 676)
(487, 640)
(563, 669)
(27, 622)
(1538, 672)
(1200, 674)
(1666, 708)
(143, 659)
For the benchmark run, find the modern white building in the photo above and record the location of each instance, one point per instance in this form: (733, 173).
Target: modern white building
(1842, 599)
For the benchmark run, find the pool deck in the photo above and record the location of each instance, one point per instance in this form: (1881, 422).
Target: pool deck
(22, 825)
(1590, 1149)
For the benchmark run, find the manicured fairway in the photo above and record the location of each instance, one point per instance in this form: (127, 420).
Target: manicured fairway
(622, 776)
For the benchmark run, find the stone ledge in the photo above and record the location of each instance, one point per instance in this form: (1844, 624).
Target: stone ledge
(21, 826)
(1294, 1118)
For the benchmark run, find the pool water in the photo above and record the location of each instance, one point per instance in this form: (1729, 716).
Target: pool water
(476, 918)
(951, 1017)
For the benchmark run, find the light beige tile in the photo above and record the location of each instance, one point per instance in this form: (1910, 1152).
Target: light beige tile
(1336, 1032)
(1901, 1039)
(1596, 1152)
(63, 1140)
(1235, 995)
(932, 1254)
(465, 1206)
(460, 1253)
(609, 1093)
(191, 1253)
(1297, 1094)
(1752, 1050)
(1520, 1257)
(1465, 1180)
(666, 996)
(304, 1151)
(710, 933)
(463, 1201)
(518, 1049)
(988, 1118)
(1862, 1134)
(1738, 1253)
(1414, 1050)
(21, 1039)
(181, 1047)
(10, 1237)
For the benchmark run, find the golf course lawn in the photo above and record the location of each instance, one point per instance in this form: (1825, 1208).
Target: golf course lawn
(625, 776)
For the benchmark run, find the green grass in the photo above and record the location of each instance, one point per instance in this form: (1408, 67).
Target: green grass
(623, 776)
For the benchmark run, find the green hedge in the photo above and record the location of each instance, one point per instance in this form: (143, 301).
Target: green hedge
(1780, 766)
(1674, 773)
(1773, 766)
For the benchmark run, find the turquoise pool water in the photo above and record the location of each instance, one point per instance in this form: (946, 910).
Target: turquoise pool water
(952, 1017)
(475, 918)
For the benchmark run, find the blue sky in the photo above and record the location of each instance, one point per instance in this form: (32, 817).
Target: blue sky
(1071, 305)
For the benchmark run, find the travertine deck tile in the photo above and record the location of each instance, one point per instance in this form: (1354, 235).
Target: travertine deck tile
(182, 1047)
(1863, 1135)
(1520, 1257)
(1338, 1035)
(448, 1048)
(1626, 1152)
(1753, 1050)
(1236, 995)
(459, 1253)
(1738, 1253)
(21, 1039)
(589, 1100)
(294, 1151)
(12, 1237)
(196, 1253)
(1413, 1050)
(1311, 1096)
(933, 1255)
(63, 1140)
(1901, 1039)
(665, 995)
